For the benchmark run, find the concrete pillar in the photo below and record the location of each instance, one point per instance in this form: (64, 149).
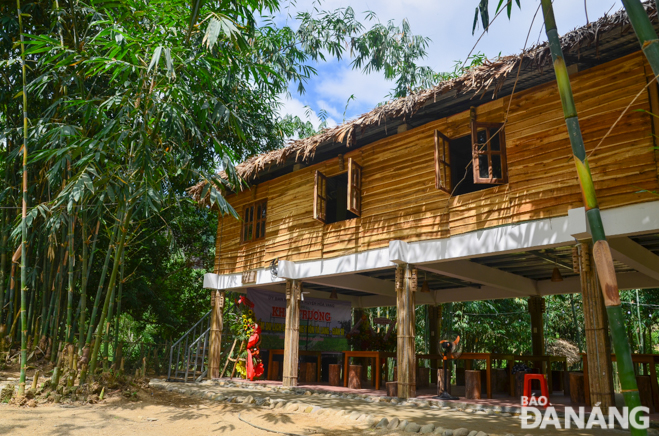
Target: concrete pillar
(215, 346)
(292, 332)
(406, 286)
(598, 344)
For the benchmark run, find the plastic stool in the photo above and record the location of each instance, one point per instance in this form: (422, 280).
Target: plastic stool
(543, 386)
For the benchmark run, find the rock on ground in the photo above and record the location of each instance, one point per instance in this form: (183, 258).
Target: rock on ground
(428, 428)
(412, 428)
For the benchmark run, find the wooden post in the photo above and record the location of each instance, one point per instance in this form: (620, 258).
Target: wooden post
(406, 285)
(292, 332)
(536, 309)
(217, 304)
(435, 321)
(600, 368)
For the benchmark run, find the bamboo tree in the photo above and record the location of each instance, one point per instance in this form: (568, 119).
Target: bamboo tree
(116, 319)
(108, 296)
(645, 32)
(69, 304)
(601, 251)
(108, 322)
(99, 290)
(87, 261)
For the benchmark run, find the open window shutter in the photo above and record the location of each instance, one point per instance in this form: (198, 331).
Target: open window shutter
(354, 187)
(489, 153)
(442, 162)
(320, 197)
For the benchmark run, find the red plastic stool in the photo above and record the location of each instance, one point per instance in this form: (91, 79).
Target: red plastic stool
(543, 386)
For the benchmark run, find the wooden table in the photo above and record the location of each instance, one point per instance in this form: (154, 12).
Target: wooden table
(375, 374)
(487, 357)
(511, 358)
(301, 353)
(647, 359)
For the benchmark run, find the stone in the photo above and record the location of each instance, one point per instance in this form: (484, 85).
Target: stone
(393, 424)
(412, 427)
(481, 433)
(469, 410)
(354, 415)
(427, 429)
(506, 414)
(248, 400)
(370, 420)
(292, 407)
(472, 433)
(308, 393)
(383, 423)
(448, 433)
(316, 410)
(402, 424)
(308, 409)
(461, 432)
(439, 430)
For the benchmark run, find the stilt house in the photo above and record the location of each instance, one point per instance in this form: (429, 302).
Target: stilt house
(468, 186)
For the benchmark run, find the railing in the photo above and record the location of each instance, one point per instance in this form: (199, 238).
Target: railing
(188, 357)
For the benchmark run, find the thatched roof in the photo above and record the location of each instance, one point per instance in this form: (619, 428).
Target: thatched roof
(489, 77)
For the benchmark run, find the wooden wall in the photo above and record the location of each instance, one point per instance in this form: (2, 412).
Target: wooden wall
(399, 199)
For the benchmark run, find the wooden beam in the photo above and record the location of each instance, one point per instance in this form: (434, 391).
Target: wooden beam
(217, 303)
(636, 256)
(406, 290)
(598, 346)
(292, 333)
(485, 275)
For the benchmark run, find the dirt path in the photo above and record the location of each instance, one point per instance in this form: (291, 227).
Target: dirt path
(158, 412)
(155, 413)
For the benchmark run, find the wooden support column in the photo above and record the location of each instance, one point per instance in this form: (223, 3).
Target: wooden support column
(598, 345)
(292, 332)
(536, 309)
(406, 285)
(435, 321)
(217, 304)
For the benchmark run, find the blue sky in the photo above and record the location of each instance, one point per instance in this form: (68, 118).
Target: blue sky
(448, 24)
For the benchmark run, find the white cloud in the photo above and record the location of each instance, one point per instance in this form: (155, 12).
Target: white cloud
(294, 106)
(448, 23)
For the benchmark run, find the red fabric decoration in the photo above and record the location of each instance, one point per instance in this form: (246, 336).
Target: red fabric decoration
(252, 348)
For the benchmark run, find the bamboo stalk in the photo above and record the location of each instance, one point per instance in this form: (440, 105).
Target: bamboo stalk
(228, 358)
(113, 278)
(645, 32)
(602, 253)
(117, 317)
(21, 383)
(69, 301)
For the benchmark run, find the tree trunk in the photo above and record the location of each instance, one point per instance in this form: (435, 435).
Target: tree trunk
(602, 253)
(108, 296)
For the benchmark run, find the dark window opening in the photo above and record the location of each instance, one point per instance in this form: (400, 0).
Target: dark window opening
(254, 217)
(462, 168)
(337, 199)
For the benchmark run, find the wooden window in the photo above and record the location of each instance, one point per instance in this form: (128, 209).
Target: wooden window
(354, 187)
(320, 197)
(489, 153)
(254, 217)
(442, 162)
(338, 198)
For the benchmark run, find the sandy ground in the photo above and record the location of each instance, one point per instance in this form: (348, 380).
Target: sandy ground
(156, 413)
(159, 412)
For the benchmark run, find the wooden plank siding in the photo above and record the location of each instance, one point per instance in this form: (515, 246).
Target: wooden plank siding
(399, 198)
